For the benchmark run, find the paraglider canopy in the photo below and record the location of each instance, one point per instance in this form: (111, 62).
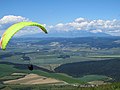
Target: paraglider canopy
(9, 33)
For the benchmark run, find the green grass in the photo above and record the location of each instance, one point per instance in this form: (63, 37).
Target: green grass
(6, 70)
(10, 77)
(89, 78)
(58, 76)
(105, 56)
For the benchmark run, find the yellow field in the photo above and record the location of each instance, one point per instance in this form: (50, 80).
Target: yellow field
(33, 79)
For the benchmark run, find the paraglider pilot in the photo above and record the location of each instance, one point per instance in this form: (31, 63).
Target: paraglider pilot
(30, 67)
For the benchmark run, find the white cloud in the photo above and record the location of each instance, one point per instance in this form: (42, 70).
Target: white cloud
(106, 26)
(96, 31)
(12, 19)
(79, 20)
(7, 21)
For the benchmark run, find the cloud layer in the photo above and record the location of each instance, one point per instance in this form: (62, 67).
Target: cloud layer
(105, 26)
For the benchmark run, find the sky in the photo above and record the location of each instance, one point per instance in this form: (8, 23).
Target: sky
(58, 14)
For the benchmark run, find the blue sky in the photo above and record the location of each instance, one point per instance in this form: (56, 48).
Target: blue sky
(95, 16)
(52, 12)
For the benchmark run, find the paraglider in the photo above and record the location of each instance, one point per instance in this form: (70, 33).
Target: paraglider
(9, 33)
(12, 30)
(30, 67)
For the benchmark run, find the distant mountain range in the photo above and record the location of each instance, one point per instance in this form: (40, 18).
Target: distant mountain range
(74, 33)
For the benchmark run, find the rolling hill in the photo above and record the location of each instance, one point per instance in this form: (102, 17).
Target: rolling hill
(110, 68)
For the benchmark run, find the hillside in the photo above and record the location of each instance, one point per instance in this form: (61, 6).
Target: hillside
(6, 69)
(110, 68)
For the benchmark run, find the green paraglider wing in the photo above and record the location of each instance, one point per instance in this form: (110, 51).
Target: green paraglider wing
(14, 29)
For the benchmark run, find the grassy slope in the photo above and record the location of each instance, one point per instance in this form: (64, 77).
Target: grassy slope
(105, 56)
(108, 68)
(6, 70)
(89, 78)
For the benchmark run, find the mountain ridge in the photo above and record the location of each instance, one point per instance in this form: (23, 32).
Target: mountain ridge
(75, 33)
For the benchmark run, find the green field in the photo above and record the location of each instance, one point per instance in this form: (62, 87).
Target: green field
(7, 70)
(89, 78)
(105, 56)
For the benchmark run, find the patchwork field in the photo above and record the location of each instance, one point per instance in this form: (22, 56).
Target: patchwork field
(33, 79)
